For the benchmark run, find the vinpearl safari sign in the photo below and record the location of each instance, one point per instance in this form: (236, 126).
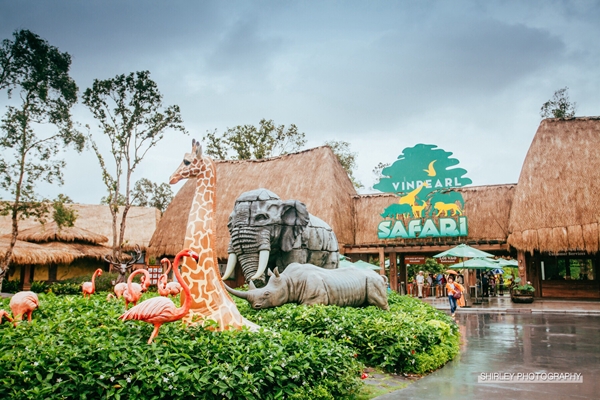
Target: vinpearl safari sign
(424, 180)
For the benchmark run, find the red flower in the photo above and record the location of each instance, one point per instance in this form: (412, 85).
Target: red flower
(364, 375)
(412, 352)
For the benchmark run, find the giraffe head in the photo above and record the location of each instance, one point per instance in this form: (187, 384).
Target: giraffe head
(194, 164)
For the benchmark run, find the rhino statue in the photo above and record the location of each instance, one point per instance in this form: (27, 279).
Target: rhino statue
(309, 284)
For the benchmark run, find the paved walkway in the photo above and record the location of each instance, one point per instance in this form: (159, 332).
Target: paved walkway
(503, 304)
(521, 343)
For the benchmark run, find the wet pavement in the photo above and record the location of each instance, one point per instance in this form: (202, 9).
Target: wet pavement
(523, 343)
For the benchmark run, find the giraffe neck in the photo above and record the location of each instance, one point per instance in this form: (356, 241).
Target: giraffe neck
(209, 299)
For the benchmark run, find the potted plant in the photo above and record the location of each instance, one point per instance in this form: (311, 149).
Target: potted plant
(521, 293)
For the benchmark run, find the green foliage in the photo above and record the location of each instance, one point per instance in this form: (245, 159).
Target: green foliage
(63, 215)
(130, 113)
(527, 287)
(149, 194)
(559, 106)
(61, 288)
(245, 142)
(11, 286)
(38, 286)
(77, 348)
(412, 337)
(347, 158)
(39, 73)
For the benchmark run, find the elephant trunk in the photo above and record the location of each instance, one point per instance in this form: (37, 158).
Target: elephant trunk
(249, 264)
(252, 246)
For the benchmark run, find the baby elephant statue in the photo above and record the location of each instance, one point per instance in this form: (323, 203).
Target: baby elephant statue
(267, 232)
(309, 284)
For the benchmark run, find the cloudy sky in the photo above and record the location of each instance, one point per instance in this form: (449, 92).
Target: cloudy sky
(468, 76)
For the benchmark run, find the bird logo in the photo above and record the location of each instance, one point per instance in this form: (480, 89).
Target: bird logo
(430, 171)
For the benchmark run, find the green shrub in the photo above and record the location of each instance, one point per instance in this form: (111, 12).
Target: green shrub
(65, 288)
(11, 286)
(412, 337)
(39, 286)
(77, 348)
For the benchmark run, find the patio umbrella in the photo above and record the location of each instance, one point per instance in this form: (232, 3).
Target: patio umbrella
(464, 251)
(344, 262)
(476, 263)
(451, 272)
(507, 263)
(497, 271)
(366, 265)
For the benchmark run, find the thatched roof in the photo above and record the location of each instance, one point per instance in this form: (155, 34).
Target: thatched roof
(315, 177)
(51, 252)
(89, 238)
(50, 232)
(97, 221)
(556, 202)
(486, 207)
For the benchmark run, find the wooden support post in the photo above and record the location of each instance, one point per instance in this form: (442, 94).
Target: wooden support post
(403, 275)
(393, 272)
(381, 261)
(522, 259)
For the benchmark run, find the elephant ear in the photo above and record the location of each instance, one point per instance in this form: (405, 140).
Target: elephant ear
(294, 219)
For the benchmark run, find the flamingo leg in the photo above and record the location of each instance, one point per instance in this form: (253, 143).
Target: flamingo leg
(29, 317)
(154, 333)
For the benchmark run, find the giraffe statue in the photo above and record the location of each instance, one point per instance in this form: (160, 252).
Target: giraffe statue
(210, 300)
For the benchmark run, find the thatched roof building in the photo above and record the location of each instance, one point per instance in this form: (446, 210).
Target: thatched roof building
(486, 207)
(50, 232)
(89, 238)
(314, 176)
(556, 203)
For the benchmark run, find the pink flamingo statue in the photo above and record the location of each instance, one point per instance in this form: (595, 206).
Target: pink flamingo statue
(23, 303)
(89, 288)
(174, 288)
(133, 293)
(162, 286)
(4, 314)
(159, 310)
(119, 289)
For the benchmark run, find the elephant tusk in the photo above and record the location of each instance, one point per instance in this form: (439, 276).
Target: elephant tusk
(237, 293)
(263, 259)
(231, 261)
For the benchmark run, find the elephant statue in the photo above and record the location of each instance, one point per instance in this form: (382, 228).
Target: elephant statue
(269, 232)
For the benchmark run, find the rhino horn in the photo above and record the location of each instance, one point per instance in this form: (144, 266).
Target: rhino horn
(237, 293)
(251, 286)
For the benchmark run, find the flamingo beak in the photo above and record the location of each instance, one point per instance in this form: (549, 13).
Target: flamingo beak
(194, 255)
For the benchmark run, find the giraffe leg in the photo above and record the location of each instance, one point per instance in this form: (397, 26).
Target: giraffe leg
(154, 333)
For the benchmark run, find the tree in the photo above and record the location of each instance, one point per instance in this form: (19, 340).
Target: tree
(149, 194)
(245, 142)
(347, 158)
(130, 112)
(63, 215)
(559, 106)
(39, 73)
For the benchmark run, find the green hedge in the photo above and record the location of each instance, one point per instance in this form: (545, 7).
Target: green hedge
(412, 337)
(76, 348)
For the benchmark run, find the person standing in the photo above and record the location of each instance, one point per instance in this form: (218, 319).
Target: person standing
(420, 281)
(501, 285)
(453, 288)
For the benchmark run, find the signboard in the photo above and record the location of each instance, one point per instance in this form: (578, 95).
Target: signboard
(155, 273)
(423, 178)
(419, 260)
(414, 260)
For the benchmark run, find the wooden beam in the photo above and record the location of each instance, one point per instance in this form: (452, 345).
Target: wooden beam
(393, 272)
(418, 248)
(381, 261)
